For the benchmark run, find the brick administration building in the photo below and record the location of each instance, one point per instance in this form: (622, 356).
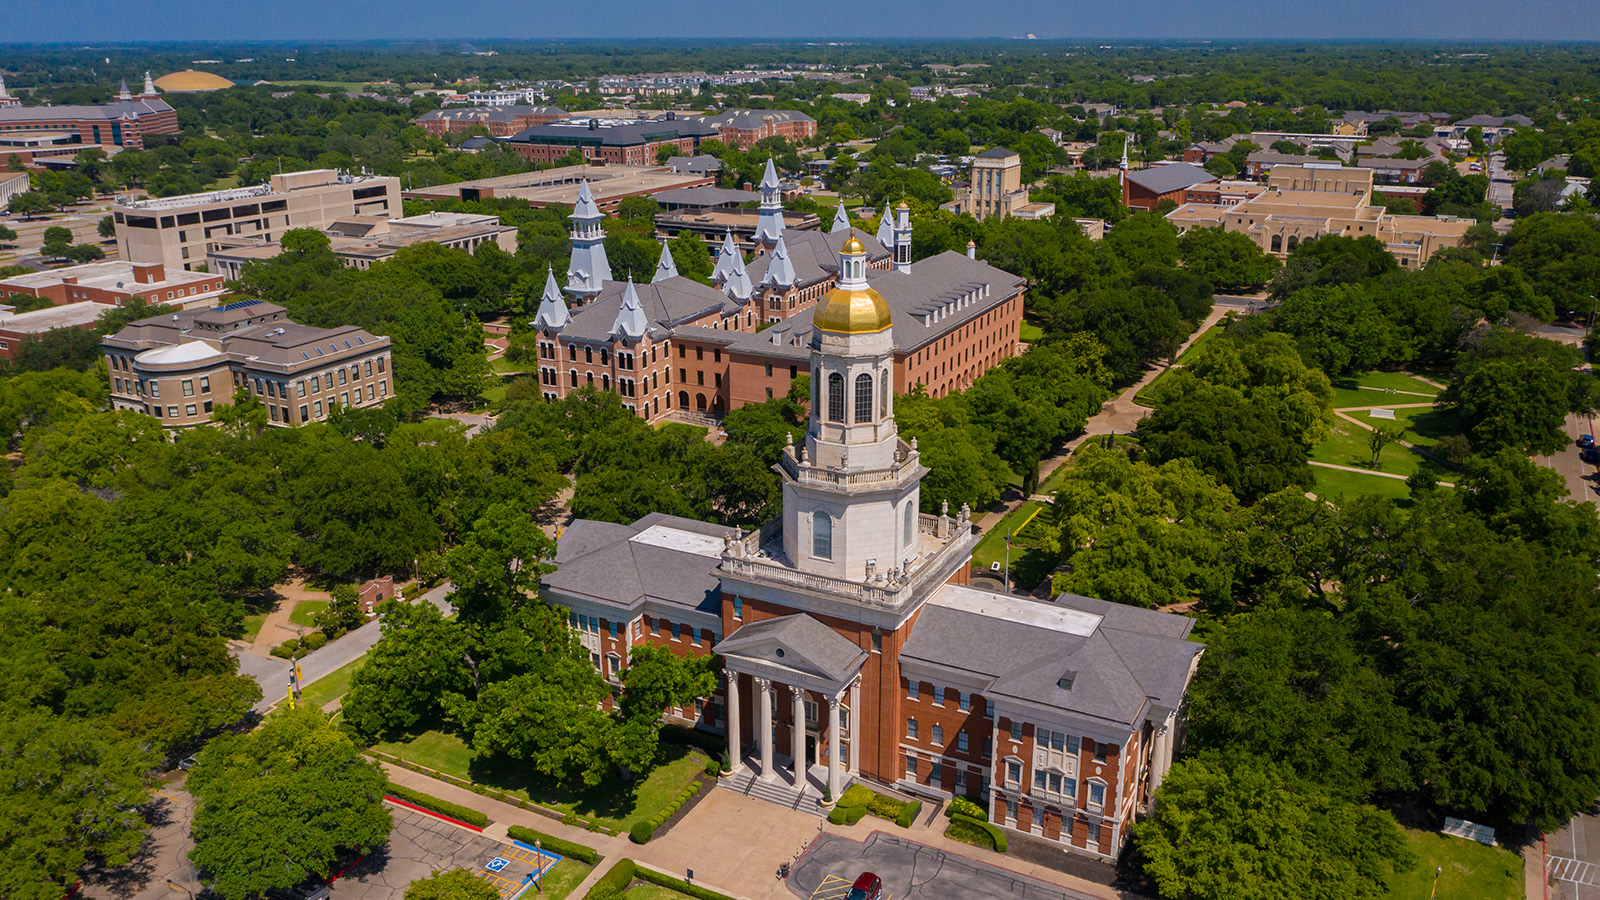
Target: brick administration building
(853, 647)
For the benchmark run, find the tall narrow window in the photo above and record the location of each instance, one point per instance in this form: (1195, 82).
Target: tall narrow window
(863, 397)
(822, 534)
(910, 523)
(883, 394)
(835, 397)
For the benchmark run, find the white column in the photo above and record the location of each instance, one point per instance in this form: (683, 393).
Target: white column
(855, 726)
(734, 756)
(764, 722)
(798, 737)
(1160, 756)
(833, 747)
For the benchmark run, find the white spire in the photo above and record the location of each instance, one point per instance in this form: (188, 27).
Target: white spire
(780, 270)
(769, 224)
(149, 85)
(666, 268)
(886, 226)
(123, 94)
(630, 322)
(725, 258)
(902, 238)
(3, 87)
(552, 306)
(737, 284)
(585, 208)
(841, 219)
(1124, 165)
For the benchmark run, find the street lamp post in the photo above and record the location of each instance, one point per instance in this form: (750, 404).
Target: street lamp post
(538, 871)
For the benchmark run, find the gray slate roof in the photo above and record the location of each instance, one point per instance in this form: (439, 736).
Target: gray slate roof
(599, 560)
(815, 254)
(997, 153)
(666, 303)
(1164, 179)
(706, 196)
(1127, 659)
(116, 109)
(753, 118)
(816, 645)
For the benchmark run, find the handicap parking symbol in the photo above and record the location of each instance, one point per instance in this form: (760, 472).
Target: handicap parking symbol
(496, 864)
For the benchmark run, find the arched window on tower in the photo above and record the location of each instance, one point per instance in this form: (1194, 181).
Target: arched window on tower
(863, 397)
(910, 523)
(821, 535)
(1277, 243)
(883, 394)
(835, 397)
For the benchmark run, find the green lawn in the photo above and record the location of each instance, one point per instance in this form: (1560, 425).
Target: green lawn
(1208, 334)
(304, 610)
(613, 803)
(562, 878)
(1145, 393)
(332, 685)
(503, 365)
(648, 891)
(993, 546)
(1335, 485)
(1372, 389)
(1346, 445)
(1031, 333)
(252, 626)
(1469, 869)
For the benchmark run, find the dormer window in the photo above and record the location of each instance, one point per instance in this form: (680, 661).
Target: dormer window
(1065, 681)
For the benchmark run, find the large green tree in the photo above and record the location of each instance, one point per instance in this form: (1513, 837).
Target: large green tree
(283, 804)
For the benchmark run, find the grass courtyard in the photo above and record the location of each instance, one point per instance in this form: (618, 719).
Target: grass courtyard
(613, 803)
(305, 610)
(1466, 869)
(560, 880)
(331, 686)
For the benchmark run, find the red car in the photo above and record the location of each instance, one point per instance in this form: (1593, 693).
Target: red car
(867, 887)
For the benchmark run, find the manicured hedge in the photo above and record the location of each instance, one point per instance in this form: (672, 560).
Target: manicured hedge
(961, 806)
(968, 826)
(316, 640)
(286, 649)
(443, 807)
(642, 832)
(554, 844)
(678, 884)
(846, 815)
(908, 814)
(614, 881)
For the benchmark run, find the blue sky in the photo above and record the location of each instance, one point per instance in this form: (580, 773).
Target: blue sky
(215, 20)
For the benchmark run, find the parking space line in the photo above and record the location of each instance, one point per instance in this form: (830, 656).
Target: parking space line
(1573, 871)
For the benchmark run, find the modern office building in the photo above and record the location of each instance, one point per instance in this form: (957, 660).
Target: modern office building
(853, 647)
(177, 368)
(175, 231)
(613, 141)
(115, 282)
(360, 241)
(500, 121)
(609, 185)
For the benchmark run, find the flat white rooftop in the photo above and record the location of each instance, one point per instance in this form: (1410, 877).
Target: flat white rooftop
(677, 539)
(1016, 609)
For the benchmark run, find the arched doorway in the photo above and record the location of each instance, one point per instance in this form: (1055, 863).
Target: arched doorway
(683, 399)
(700, 402)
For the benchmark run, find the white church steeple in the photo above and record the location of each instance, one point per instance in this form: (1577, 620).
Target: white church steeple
(769, 226)
(588, 271)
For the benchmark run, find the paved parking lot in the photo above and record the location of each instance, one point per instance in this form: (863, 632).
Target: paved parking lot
(421, 845)
(910, 871)
(1572, 860)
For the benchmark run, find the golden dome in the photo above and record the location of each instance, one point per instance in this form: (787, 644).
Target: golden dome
(902, 205)
(853, 246)
(192, 80)
(852, 312)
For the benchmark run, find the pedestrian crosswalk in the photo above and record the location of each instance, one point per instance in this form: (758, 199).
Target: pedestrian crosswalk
(1576, 871)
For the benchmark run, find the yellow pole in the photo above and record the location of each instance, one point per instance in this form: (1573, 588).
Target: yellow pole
(291, 695)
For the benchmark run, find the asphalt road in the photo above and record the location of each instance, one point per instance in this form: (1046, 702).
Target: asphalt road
(1583, 480)
(273, 673)
(1572, 861)
(163, 856)
(910, 871)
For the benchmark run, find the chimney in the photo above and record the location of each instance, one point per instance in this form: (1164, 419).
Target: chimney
(972, 250)
(148, 273)
(69, 279)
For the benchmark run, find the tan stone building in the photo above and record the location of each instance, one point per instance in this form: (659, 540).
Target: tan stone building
(996, 185)
(178, 367)
(360, 241)
(1305, 202)
(175, 231)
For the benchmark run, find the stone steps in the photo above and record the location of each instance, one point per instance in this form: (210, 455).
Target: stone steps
(778, 792)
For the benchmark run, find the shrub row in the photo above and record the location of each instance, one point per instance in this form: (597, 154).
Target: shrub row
(613, 882)
(961, 806)
(443, 807)
(898, 812)
(295, 648)
(976, 831)
(642, 832)
(503, 797)
(846, 815)
(908, 814)
(677, 884)
(554, 844)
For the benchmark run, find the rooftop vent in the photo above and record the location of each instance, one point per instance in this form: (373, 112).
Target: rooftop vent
(1065, 681)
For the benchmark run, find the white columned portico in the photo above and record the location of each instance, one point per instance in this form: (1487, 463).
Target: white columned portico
(798, 736)
(764, 722)
(855, 725)
(736, 759)
(833, 747)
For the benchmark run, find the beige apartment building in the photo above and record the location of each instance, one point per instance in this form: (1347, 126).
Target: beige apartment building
(996, 184)
(174, 231)
(178, 367)
(1305, 202)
